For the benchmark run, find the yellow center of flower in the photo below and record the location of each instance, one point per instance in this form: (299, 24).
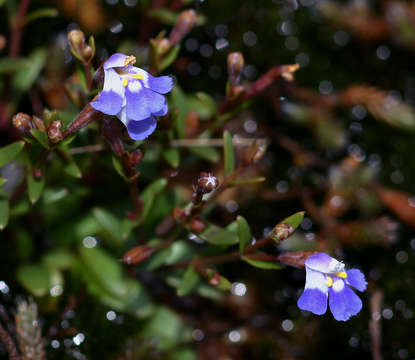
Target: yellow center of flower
(342, 275)
(329, 281)
(124, 82)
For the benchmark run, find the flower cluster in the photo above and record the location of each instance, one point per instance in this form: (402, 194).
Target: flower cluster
(133, 95)
(326, 278)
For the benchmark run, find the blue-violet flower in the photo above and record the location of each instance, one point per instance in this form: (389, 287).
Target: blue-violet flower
(327, 278)
(133, 95)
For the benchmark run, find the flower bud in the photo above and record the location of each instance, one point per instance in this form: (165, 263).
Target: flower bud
(206, 182)
(236, 64)
(138, 254)
(296, 259)
(281, 232)
(197, 226)
(55, 132)
(185, 22)
(23, 123)
(39, 123)
(79, 48)
(86, 116)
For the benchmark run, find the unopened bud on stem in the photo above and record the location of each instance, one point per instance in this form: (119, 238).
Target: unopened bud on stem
(236, 64)
(185, 22)
(23, 123)
(206, 183)
(79, 48)
(55, 131)
(281, 232)
(138, 254)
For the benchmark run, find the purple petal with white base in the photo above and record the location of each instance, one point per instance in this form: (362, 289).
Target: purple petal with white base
(356, 279)
(326, 278)
(111, 98)
(313, 300)
(324, 263)
(343, 302)
(139, 130)
(115, 60)
(133, 95)
(142, 102)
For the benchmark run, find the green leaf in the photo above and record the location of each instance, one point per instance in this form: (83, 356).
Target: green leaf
(169, 58)
(9, 152)
(2, 181)
(118, 168)
(148, 196)
(167, 327)
(24, 78)
(73, 170)
(189, 281)
(208, 153)
(165, 16)
(105, 279)
(294, 220)
(262, 264)
(8, 65)
(68, 140)
(34, 278)
(4, 212)
(172, 156)
(181, 250)
(248, 181)
(219, 236)
(179, 106)
(228, 153)
(109, 224)
(105, 269)
(207, 102)
(222, 283)
(59, 259)
(40, 13)
(34, 188)
(156, 260)
(183, 354)
(244, 233)
(127, 227)
(41, 137)
(51, 196)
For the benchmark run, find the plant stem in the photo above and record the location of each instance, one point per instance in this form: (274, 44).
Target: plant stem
(9, 344)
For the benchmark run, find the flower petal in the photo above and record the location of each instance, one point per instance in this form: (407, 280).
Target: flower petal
(356, 279)
(164, 110)
(160, 84)
(116, 60)
(343, 302)
(111, 98)
(313, 300)
(315, 280)
(314, 297)
(142, 102)
(139, 130)
(324, 263)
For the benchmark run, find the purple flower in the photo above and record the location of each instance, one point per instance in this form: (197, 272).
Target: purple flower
(133, 95)
(327, 278)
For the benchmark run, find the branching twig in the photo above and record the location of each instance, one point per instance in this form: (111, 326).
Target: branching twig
(9, 344)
